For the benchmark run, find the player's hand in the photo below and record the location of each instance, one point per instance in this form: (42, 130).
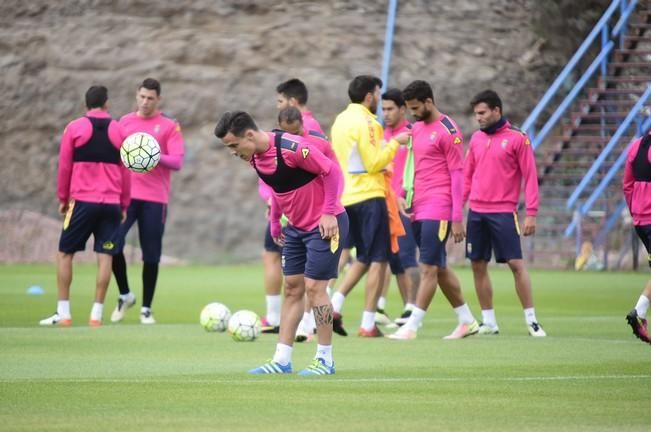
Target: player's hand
(124, 216)
(529, 225)
(402, 138)
(402, 207)
(280, 241)
(328, 226)
(63, 208)
(458, 232)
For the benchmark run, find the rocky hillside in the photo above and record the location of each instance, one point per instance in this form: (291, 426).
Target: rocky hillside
(216, 55)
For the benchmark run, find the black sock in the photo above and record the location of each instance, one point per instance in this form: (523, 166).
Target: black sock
(149, 277)
(120, 273)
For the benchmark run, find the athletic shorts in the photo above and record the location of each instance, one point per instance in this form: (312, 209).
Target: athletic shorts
(498, 232)
(431, 237)
(406, 256)
(151, 218)
(369, 228)
(644, 231)
(269, 244)
(305, 252)
(86, 218)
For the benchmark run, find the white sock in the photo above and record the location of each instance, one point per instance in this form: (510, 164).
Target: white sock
(283, 354)
(463, 314)
(329, 291)
(409, 306)
(381, 303)
(127, 297)
(63, 308)
(488, 317)
(309, 324)
(641, 307)
(97, 311)
(324, 352)
(368, 320)
(337, 302)
(416, 317)
(273, 309)
(530, 315)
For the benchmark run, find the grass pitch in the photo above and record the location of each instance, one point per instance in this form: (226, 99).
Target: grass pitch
(589, 374)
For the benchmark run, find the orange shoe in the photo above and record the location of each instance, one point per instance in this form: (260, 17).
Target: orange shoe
(374, 332)
(95, 323)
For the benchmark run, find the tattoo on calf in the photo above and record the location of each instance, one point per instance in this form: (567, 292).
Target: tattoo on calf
(323, 314)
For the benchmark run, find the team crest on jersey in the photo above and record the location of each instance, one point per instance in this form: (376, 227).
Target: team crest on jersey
(157, 128)
(305, 151)
(504, 143)
(178, 127)
(526, 141)
(432, 136)
(457, 140)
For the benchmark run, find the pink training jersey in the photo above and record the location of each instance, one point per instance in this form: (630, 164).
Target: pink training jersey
(438, 163)
(495, 166)
(637, 193)
(310, 123)
(399, 159)
(155, 185)
(320, 141)
(303, 206)
(94, 182)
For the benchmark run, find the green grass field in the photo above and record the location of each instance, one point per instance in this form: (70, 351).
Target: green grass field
(590, 374)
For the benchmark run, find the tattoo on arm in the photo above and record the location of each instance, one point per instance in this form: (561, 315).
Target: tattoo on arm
(323, 314)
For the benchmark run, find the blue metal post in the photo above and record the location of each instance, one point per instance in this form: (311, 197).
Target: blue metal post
(388, 47)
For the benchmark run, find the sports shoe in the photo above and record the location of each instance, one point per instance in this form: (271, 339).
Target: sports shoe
(338, 324)
(318, 367)
(536, 330)
(147, 318)
(381, 318)
(56, 320)
(271, 367)
(486, 329)
(265, 327)
(121, 309)
(403, 334)
(402, 320)
(463, 330)
(94, 323)
(374, 332)
(638, 325)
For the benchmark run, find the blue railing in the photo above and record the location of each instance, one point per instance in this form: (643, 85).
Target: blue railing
(388, 47)
(601, 28)
(642, 126)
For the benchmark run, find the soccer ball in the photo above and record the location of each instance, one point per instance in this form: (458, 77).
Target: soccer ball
(214, 317)
(140, 152)
(244, 326)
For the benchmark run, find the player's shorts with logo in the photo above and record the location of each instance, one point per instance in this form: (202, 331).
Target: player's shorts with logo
(406, 256)
(369, 230)
(269, 244)
(151, 218)
(493, 232)
(431, 237)
(644, 232)
(86, 218)
(305, 252)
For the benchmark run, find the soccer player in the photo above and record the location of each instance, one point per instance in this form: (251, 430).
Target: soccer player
(149, 197)
(437, 208)
(499, 158)
(93, 191)
(357, 139)
(637, 192)
(402, 264)
(293, 93)
(305, 186)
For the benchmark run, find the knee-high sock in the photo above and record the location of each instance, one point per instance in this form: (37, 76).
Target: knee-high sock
(120, 273)
(149, 277)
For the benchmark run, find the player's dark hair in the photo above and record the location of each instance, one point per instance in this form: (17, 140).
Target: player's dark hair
(395, 95)
(290, 115)
(293, 88)
(235, 122)
(362, 85)
(489, 97)
(151, 84)
(96, 96)
(419, 90)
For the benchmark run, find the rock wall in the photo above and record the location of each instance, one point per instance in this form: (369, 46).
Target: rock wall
(215, 55)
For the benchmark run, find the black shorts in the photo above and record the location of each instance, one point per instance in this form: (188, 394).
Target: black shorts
(269, 244)
(86, 218)
(369, 230)
(498, 232)
(644, 232)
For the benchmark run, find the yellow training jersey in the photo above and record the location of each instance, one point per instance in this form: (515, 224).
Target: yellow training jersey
(358, 142)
